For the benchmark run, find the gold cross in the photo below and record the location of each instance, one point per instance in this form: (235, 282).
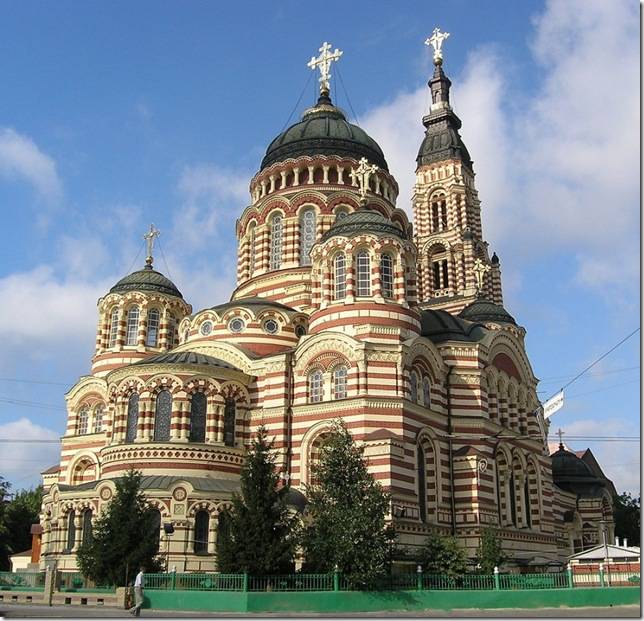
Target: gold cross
(363, 173)
(149, 237)
(323, 63)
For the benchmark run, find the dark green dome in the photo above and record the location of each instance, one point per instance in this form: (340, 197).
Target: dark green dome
(146, 279)
(324, 130)
(572, 474)
(439, 326)
(483, 310)
(364, 220)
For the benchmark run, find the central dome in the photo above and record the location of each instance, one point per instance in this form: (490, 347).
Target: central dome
(324, 130)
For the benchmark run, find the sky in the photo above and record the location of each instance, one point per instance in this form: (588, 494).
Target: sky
(115, 115)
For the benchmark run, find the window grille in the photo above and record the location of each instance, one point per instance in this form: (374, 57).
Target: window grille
(198, 417)
(340, 383)
(132, 330)
(307, 235)
(99, 412)
(83, 420)
(114, 327)
(386, 276)
(153, 328)
(132, 417)
(340, 269)
(364, 274)
(163, 416)
(277, 228)
(315, 387)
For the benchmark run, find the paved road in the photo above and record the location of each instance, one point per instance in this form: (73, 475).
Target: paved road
(15, 611)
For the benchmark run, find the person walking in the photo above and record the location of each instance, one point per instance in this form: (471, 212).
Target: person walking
(138, 594)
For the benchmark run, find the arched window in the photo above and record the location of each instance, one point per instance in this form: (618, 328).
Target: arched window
(202, 523)
(340, 277)
(71, 530)
(132, 417)
(155, 525)
(364, 274)
(88, 535)
(413, 387)
(114, 327)
(253, 252)
(307, 235)
(153, 328)
(83, 420)
(422, 485)
(162, 416)
(132, 329)
(387, 276)
(316, 387)
(277, 228)
(340, 382)
(99, 412)
(198, 417)
(441, 274)
(439, 213)
(230, 413)
(427, 400)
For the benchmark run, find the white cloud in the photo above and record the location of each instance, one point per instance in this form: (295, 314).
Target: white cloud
(559, 172)
(22, 462)
(20, 157)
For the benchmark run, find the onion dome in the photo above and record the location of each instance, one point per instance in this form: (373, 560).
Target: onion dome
(572, 474)
(484, 311)
(362, 221)
(439, 326)
(147, 279)
(324, 130)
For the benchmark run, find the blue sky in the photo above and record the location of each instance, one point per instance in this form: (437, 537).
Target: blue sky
(118, 114)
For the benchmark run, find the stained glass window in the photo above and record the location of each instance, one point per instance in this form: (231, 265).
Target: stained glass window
(198, 417)
(340, 383)
(364, 274)
(162, 416)
(71, 529)
(202, 522)
(230, 412)
(307, 235)
(316, 388)
(114, 327)
(340, 277)
(87, 527)
(83, 420)
(153, 328)
(386, 276)
(132, 417)
(132, 331)
(277, 228)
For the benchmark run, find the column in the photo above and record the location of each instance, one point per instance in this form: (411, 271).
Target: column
(283, 180)
(212, 534)
(296, 176)
(376, 279)
(145, 424)
(143, 327)
(340, 170)
(163, 331)
(211, 422)
(120, 339)
(77, 530)
(350, 296)
(311, 175)
(220, 423)
(272, 186)
(325, 178)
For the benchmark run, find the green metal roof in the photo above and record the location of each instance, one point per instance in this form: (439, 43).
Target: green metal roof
(146, 279)
(362, 221)
(483, 310)
(186, 357)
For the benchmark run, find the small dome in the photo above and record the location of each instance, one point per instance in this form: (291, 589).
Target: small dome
(571, 473)
(146, 279)
(186, 357)
(362, 221)
(324, 130)
(482, 310)
(439, 326)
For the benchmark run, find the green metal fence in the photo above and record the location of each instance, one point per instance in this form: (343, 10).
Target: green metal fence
(437, 582)
(22, 581)
(71, 581)
(295, 582)
(195, 582)
(533, 581)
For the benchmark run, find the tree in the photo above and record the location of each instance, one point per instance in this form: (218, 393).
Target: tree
(627, 518)
(346, 514)
(126, 536)
(257, 535)
(16, 517)
(442, 555)
(489, 554)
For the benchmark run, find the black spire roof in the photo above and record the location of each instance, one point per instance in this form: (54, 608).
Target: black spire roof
(324, 130)
(442, 140)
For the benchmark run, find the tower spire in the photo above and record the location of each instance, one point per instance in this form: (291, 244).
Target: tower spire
(439, 83)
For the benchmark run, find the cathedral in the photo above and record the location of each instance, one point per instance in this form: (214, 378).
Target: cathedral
(343, 309)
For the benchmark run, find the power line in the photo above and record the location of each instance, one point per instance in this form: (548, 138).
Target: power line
(137, 256)
(32, 404)
(30, 381)
(346, 93)
(550, 380)
(297, 103)
(167, 267)
(23, 441)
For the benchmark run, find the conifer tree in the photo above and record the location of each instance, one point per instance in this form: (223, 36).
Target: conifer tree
(346, 514)
(257, 535)
(125, 536)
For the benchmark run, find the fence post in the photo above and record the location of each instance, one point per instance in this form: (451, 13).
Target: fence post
(497, 580)
(174, 577)
(601, 575)
(569, 572)
(50, 584)
(419, 578)
(336, 578)
(245, 582)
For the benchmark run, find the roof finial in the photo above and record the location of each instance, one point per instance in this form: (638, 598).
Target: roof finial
(436, 41)
(560, 434)
(149, 237)
(363, 175)
(323, 63)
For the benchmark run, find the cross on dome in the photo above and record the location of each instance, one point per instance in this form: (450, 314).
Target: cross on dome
(323, 63)
(149, 237)
(560, 434)
(363, 174)
(436, 41)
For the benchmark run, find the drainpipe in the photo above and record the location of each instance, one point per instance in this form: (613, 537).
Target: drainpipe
(290, 363)
(449, 443)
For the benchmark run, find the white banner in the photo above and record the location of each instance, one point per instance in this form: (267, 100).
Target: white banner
(553, 405)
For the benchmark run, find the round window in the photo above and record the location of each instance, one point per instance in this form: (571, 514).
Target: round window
(271, 326)
(206, 328)
(236, 325)
(300, 331)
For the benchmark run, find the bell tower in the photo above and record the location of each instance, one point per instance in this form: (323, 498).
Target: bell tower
(454, 267)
